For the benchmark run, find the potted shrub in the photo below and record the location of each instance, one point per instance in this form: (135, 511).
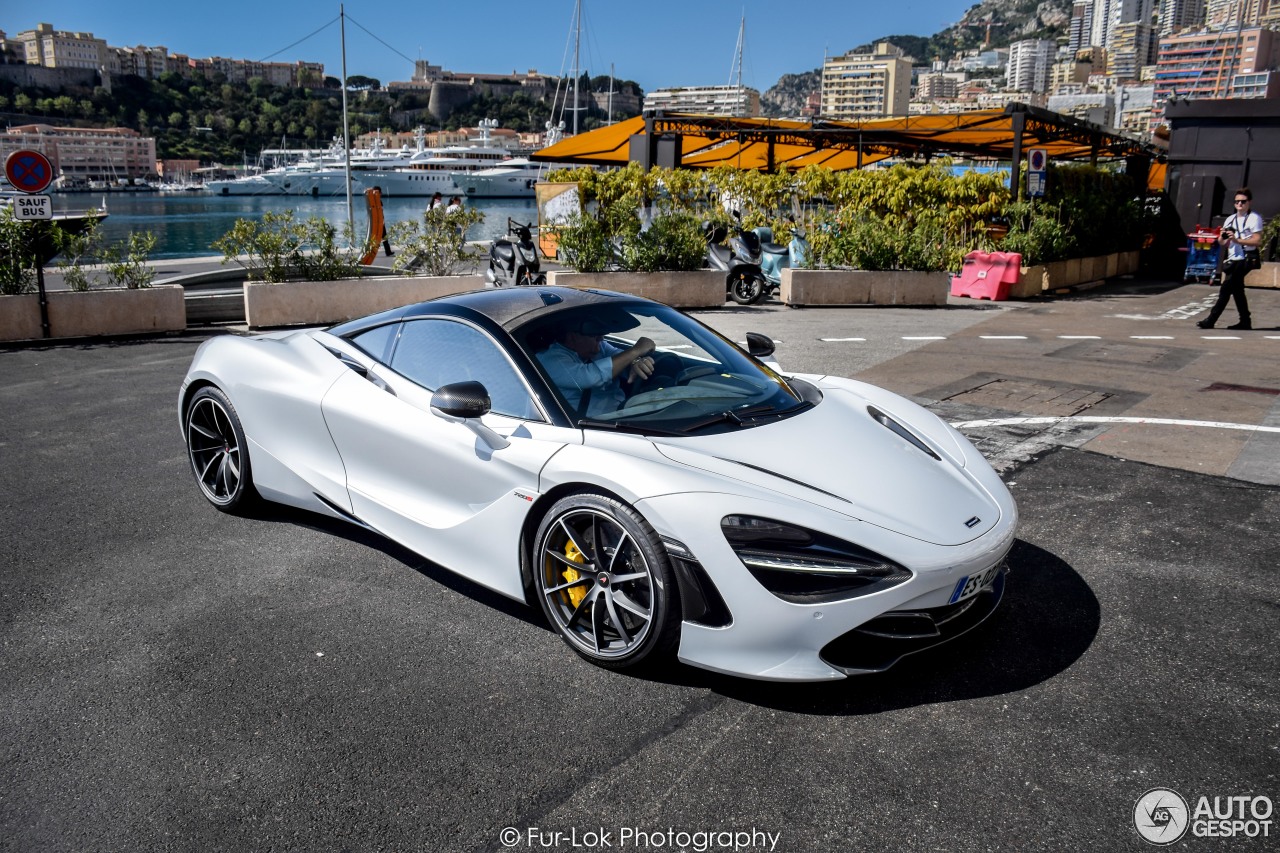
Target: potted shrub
(298, 274)
(125, 303)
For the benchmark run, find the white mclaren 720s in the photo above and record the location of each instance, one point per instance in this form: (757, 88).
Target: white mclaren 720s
(654, 488)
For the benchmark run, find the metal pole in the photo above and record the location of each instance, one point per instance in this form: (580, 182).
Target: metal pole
(346, 131)
(1015, 177)
(35, 259)
(577, 72)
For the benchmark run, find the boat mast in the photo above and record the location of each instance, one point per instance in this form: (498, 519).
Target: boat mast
(737, 65)
(346, 131)
(577, 72)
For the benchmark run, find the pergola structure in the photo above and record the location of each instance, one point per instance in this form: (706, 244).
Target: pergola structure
(700, 141)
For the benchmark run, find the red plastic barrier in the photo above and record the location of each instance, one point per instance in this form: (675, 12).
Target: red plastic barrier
(987, 275)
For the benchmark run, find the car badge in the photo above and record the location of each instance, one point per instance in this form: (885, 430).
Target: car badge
(973, 522)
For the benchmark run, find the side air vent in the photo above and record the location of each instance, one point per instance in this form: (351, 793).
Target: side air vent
(886, 421)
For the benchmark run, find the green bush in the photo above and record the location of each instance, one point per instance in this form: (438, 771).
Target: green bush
(265, 248)
(435, 245)
(17, 262)
(126, 261)
(278, 247)
(76, 250)
(673, 241)
(584, 244)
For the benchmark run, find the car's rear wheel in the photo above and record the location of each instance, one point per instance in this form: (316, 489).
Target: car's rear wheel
(605, 582)
(218, 451)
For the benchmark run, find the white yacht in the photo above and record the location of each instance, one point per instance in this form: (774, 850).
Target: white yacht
(247, 185)
(514, 178)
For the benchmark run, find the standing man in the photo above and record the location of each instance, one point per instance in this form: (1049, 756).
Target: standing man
(1240, 238)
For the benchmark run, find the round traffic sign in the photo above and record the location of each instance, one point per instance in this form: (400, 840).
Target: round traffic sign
(1038, 158)
(28, 171)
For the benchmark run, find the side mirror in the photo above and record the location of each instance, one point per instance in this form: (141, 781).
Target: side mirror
(462, 399)
(468, 402)
(760, 346)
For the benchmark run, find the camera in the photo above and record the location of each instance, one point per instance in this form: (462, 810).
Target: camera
(1228, 233)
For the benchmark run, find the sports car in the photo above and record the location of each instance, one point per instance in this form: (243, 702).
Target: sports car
(687, 498)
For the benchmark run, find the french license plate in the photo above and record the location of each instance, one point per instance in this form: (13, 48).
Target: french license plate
(969, 586)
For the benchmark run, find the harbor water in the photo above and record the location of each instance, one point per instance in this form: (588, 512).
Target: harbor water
(187, 224)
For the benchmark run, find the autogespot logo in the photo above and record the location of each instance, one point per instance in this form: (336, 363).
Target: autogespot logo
(1161, 816)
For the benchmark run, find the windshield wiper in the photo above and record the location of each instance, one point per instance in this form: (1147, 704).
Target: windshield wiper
(741, 417)
(639, 429)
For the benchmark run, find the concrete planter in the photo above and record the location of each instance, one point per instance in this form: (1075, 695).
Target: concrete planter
(1268, 275)
(696, 289)
(864, 287)
(1072, 272)
(321, 303)
(94, 313)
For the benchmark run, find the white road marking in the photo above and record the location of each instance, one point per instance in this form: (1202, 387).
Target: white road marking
(839, 340)
(1099, 419)
(925, 338)
(1220, 337)
(1080, 337)
(1152, 337)
(1003, 337)
(1184, 312)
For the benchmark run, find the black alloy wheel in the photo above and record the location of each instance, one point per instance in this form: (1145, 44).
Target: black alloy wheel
(605, 582)
(218, 451)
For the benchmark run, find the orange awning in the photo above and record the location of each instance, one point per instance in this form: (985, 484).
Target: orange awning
(761, 143)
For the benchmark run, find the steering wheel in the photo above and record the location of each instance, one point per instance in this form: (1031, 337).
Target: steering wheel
(694, 372)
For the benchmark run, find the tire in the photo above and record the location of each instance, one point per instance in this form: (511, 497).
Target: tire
(615, 605)
(746, 289)
(218, 452)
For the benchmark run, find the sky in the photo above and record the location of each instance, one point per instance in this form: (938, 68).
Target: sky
(656, 43)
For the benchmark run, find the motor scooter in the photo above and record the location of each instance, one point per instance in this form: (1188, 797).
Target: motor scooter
(739, 260)
(513, 260)
(776, 257)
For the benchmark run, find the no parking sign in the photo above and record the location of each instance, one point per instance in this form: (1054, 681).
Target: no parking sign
(28, 171)
(1037, 164)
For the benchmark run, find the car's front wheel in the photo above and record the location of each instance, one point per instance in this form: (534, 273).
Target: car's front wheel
(217, 449)
(605, 582)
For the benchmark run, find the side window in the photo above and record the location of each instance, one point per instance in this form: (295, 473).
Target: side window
(376, 341)
(432, 353)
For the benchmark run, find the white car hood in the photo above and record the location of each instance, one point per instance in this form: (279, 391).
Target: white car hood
(837, 456)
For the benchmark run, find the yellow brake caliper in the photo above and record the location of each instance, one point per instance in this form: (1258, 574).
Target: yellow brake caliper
(573, 555)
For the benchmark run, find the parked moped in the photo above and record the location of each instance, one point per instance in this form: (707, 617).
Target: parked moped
(513, 260)
(739, 260)
(776, 257)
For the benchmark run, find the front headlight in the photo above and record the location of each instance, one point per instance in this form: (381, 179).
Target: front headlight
(807, 567)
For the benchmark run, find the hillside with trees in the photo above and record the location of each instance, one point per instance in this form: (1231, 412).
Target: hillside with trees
(213, 120)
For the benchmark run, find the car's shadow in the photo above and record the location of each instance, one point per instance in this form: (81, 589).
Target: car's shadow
(1048, 619)
(438, 574)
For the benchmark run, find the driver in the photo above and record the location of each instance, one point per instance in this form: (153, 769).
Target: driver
(589, 370)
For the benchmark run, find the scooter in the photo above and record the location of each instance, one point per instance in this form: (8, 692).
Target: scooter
(513, 260)
(739, 260)
(776, 257)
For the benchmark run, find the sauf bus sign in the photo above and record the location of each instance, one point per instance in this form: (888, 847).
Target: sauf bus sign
(30, 172)
(33, 207)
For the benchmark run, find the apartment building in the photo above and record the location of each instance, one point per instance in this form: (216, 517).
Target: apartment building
(60, 49)
(52, 48)
(866, 85)
(1232, 63)
(739, 101)
(1030, 61)
(1133, 46)
(1179, 15)
(81, 154)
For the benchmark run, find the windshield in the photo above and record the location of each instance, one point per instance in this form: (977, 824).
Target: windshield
(687, 378)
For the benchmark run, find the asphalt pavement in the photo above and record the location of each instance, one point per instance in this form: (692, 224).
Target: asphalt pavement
(180, 679)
